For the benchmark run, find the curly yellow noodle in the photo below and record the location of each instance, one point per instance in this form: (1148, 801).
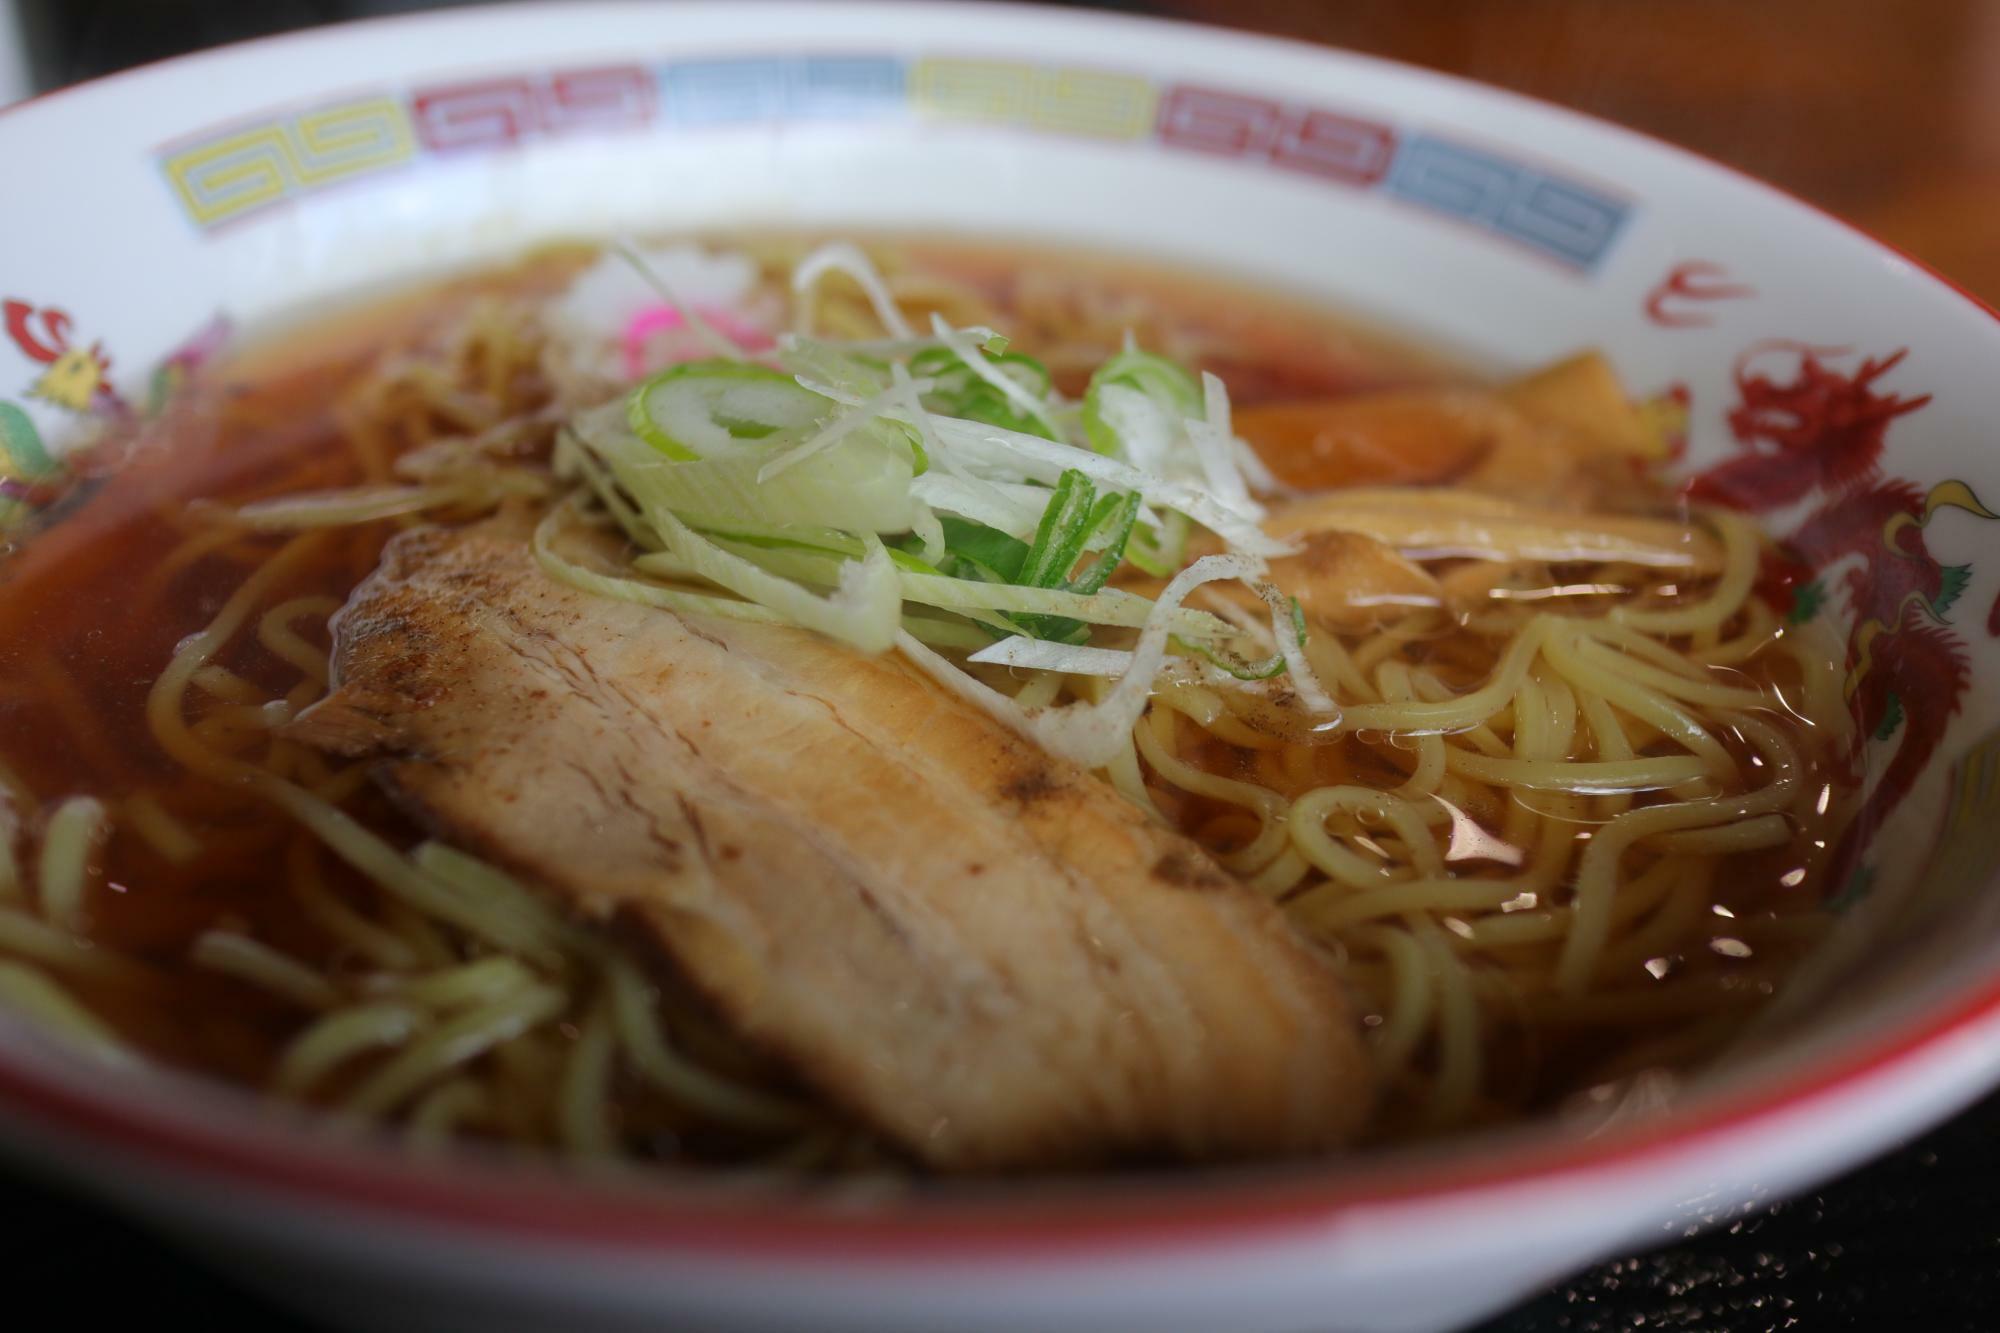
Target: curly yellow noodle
(445, 1112)
(451, 1045)
(164, 701)
(1155, 738)
(30, 937)
(381, 946)
(1596, 881)
(1560, 700)
(1818, 657)
(1335, 666)
(260, 965)
(1467, 710)
(583, 1112)
(169, 837)
(1673, 922)
(1740, 545)
(1649, 708)
(481, 982)
(1407, 1010)
(1284, 873)
(340, 1036)
(1126, 776)
(73, 833)
(1460, 1052)
(640, 1036)
(275, 633)
(24, 990)
(1398, 686)
(1759, 630)
(222, 683)
(1394, 639)
(1585, 777)
(1673, 684)
(1749, 835)
(1307, 827)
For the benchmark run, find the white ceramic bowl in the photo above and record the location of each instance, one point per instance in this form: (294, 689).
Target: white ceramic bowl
(260, 180)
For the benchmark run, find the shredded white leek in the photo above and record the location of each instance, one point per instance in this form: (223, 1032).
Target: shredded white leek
(995, 452)
(1002, 535)
(846, 257)
(1112, 606)
(969, 355)
(1092, 734)
(1311, 693)
(830, 434)
(980, 501)
(1042, 655)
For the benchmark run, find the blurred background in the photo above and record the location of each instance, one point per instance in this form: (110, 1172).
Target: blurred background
(1886, 112)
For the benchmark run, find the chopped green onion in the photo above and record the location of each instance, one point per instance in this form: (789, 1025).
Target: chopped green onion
(1158, 551)
(837, 366)
(830, 541)
(1114, 519)
(859, 484)
(708, 409)
(960, 392)
(915, 490)
(996, 555)
(1162, 382)
(942, 632)
(1075, 522)
(920, 458)
(564, 570)
(1065, 526)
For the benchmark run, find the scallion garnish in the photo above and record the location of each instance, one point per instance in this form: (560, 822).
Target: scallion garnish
(938, 489)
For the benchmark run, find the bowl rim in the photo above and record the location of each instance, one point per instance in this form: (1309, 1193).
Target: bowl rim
(471, 1198)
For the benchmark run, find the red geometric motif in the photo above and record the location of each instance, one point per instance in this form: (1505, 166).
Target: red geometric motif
(1319, 143)
(499, 113)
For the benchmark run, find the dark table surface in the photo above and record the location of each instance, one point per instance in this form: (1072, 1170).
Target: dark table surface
(1886, 112)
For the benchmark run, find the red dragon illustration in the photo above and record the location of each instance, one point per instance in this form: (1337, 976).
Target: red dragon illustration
(1822, 433)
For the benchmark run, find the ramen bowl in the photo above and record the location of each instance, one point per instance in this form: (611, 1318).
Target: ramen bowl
(1820, 381)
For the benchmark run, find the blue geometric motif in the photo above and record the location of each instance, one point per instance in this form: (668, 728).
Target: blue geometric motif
(1567, 221)
(734, 91)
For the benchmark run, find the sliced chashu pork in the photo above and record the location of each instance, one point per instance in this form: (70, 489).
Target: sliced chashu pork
(983, 952)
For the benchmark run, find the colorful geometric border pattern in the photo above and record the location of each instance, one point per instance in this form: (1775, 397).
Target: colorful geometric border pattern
(245, 169)
(222, 177)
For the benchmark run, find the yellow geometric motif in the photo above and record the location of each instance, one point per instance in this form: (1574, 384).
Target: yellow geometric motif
(1068, 101)
(249, 168)
(341, 140)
